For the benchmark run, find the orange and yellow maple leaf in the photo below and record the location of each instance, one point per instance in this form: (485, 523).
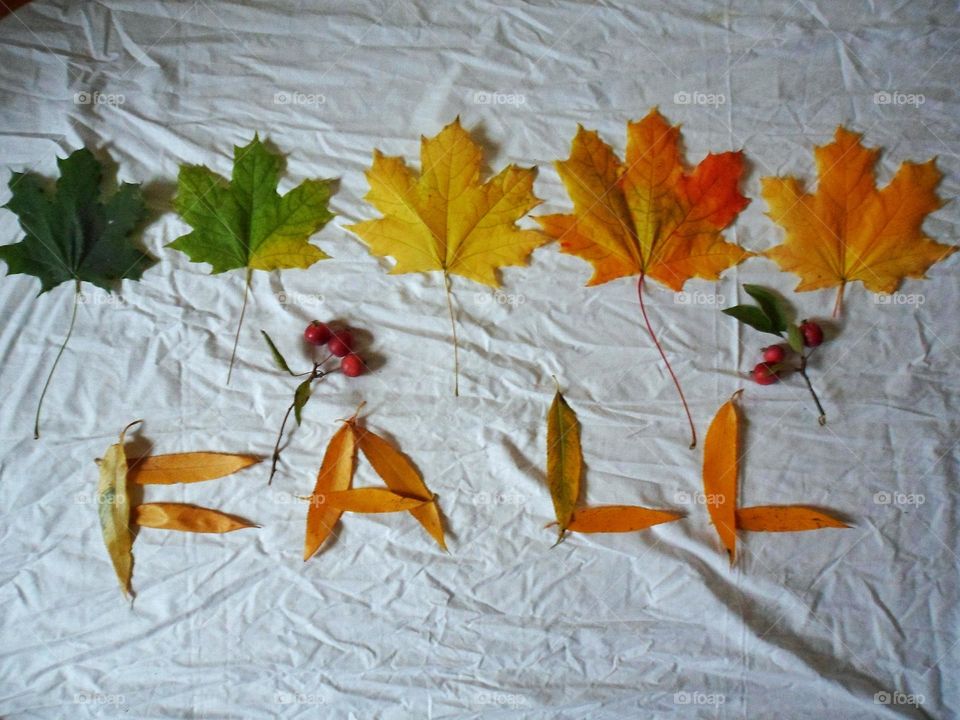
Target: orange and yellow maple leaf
(647, 215)
(446, 219)
(848, 229)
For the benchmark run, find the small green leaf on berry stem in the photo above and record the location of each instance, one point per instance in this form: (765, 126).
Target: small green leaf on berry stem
(771, 305)
(277, 357)
(751, 315)
(795, 339)
(300, 397)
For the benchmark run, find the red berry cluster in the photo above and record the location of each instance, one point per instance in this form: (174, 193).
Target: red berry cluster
(339, 343)
(774, 356)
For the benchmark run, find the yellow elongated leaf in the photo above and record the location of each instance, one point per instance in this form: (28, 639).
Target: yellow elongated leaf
(368, 500)
(336, 473)
(187, 467)
(721, 467)
(618, 519)
(785, 518)
(402, 477)
(113, 506)
(564, 459)
(187, 518)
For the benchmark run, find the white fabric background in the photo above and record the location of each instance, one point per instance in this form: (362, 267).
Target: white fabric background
(382, 624)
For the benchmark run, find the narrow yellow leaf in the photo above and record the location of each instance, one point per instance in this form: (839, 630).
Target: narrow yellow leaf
(618, 519)
(113, 506)
(186, 467)
(402, 477)
(336, 473)
(564, 459)
(187, 518)
(367, 500)
(785, 518)
(721, 463)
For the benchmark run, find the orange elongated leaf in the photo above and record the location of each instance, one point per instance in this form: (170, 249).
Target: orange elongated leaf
(368, 500)
(564, 459)
(187, 467)
(113, 506)
(187, 518)
(336, 473)
(849, 230)
(618, 519)
(447, 219)
(785, 518)
(721, 467)
(648, 215)
(402, 477)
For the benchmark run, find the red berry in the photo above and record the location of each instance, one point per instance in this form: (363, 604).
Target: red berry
(352, 365)
(812, 333)
(341, 343)
(317, 333)
(774, 354)
(763, 374)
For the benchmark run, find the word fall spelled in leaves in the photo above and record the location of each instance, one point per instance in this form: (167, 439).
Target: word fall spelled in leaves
(114, 504)
(849, 230)
(446, 219)
(245, 223)
(721, 468)
(564, 475)
(333, 495)
(647, 216)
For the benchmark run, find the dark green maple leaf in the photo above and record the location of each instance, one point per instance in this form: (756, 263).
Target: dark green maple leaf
(71, 235)
(245, 223)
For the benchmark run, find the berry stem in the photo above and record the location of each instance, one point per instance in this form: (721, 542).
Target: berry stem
(453, 330)
(803, 372)
(243, 311)
(676, 382)
(63, 346)
(315, 374)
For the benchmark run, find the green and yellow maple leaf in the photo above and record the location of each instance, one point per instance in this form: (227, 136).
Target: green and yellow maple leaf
(245, 222)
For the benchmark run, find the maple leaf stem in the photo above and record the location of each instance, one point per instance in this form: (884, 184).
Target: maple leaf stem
(243, 311)
(673, 375)
(803, 373)
(453, 330)
(63, 346)
(838, 305)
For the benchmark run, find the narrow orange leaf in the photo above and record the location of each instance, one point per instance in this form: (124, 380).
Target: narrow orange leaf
(187, 467)
(336, 473)
(785, 518)
(402, 477)
(187, 518)
(618, 519)
(721, 467)
(367, 500)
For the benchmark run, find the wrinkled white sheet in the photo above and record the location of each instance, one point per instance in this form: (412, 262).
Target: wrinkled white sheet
(382, 624)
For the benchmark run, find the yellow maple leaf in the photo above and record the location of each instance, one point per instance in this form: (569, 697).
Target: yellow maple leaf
(446, 219)
(849, 230)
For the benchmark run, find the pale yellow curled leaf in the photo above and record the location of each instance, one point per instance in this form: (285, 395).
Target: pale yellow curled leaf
(447, 219)
(564, 459)
(618, 519)
(187, 518)
(402, 477)
(186, 467)
(721, 463)
(336, 473)
(785, 518)
(368, 500)
(113, 506)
